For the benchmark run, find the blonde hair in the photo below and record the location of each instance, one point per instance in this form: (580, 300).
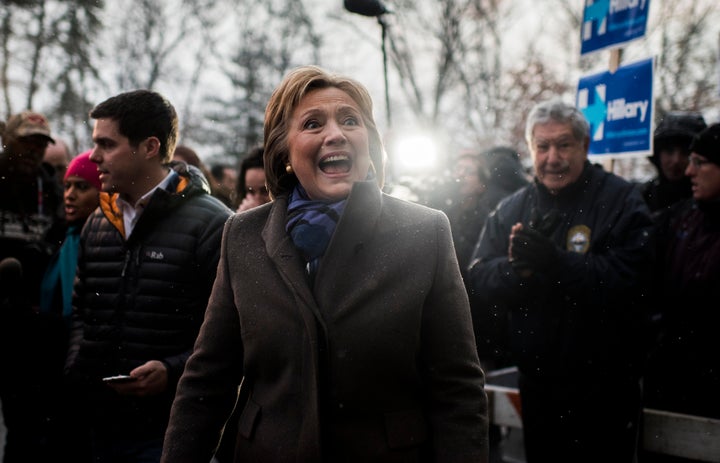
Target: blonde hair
(296, 84)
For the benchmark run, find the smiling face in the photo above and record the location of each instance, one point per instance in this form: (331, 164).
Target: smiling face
(557, 155)
(328, 144)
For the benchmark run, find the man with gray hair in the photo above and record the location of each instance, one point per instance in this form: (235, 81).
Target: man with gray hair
(564, 261)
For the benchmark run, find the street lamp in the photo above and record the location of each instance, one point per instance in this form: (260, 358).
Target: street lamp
(375, 8)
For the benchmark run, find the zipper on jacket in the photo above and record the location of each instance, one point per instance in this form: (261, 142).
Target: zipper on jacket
(128, 256)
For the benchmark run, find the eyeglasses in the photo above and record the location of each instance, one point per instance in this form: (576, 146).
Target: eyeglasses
(698, 162)
(263, 191)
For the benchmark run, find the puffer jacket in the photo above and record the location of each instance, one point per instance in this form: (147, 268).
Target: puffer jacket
(142, 298)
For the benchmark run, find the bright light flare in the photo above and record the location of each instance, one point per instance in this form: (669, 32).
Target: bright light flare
(415, 153)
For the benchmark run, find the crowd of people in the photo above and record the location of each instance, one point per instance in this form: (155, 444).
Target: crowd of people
(155, 309)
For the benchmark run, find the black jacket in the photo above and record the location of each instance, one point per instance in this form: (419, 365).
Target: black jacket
(684, 369)
(143, 298)
(587, 316)
(31, 225)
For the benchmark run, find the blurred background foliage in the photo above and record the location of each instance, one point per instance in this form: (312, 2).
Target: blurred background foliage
(462, 71)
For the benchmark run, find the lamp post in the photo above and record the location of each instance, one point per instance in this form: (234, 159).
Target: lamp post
(376, 9)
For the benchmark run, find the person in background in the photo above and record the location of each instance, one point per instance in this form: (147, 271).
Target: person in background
(30, 199)
(671, 149)
(251, 185)
(466, 209)
(340, 308)
(58, 156)
(683, 373)
(504, 172)
(82, 189)
(188, 155)
(146, 264)
(565, 260)
(480, 182)
(225, 179)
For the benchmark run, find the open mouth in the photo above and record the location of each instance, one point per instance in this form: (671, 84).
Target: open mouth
(336, 164)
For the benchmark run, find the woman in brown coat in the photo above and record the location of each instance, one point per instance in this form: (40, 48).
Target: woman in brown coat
(340, 308)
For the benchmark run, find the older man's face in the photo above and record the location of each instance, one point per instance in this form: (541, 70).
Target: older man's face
(557, 155)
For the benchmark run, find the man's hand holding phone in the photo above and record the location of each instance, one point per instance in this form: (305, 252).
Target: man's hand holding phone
(148, 379)
(118, 379)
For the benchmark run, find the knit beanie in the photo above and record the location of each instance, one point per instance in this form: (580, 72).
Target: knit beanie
(707, 144)
(83, 167)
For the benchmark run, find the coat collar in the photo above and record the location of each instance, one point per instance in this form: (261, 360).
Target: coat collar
(356, 226)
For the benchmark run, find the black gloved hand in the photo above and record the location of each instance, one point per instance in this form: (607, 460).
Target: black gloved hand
(531, 249)
(545, 224)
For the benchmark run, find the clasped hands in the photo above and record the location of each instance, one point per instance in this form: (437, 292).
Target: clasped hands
(531, 248)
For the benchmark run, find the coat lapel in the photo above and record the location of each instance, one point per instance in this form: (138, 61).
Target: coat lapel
(291, 266)
(356, 227)
(284, 254)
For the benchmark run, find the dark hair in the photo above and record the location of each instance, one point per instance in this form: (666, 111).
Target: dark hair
(141, 114)
(504, 168)
(676, 128)
(218, 170)
(253, 159)
(189, 156)
(707, 143)
(286, 97)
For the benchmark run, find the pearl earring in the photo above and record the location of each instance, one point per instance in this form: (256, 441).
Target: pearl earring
(289, 169)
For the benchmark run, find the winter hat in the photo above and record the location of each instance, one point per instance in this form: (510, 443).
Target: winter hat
(707, 144)
(677, 128)
(25, 124)
(83, 167)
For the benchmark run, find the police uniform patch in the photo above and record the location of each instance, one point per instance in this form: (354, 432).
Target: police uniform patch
(578, 239)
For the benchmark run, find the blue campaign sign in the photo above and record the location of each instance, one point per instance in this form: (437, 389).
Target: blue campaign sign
(619, 107)
(608, 23)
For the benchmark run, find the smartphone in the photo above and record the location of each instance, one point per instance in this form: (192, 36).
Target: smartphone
(118, 379)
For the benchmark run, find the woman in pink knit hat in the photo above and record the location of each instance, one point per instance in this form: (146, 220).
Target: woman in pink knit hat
(81, 190)
(81, 197)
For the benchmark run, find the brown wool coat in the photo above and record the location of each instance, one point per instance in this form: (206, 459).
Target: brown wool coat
(376, 363)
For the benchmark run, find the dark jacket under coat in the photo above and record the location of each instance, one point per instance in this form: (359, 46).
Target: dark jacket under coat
(376, 362)
(142, 298)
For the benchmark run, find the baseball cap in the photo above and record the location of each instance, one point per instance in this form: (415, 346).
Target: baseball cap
(25, 124)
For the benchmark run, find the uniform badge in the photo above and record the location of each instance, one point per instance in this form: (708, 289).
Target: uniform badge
(578, 239)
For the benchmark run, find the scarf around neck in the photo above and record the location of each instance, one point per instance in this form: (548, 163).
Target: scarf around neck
(60, 275)
(311, 224)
